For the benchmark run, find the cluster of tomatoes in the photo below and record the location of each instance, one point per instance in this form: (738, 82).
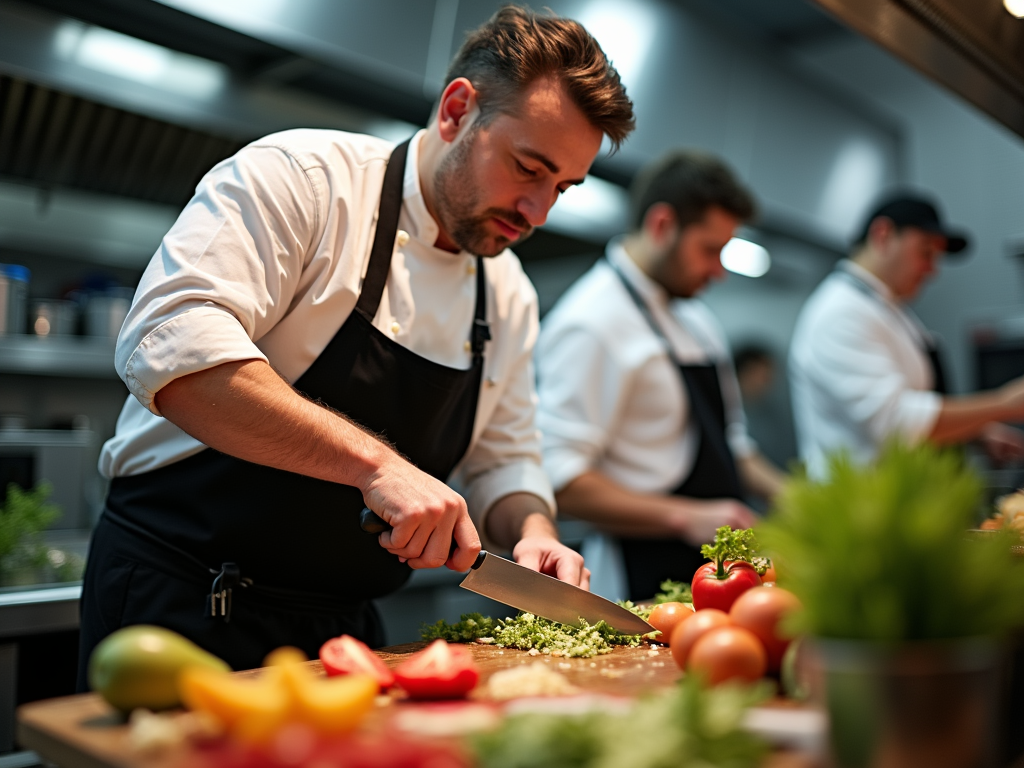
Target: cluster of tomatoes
(732, 631)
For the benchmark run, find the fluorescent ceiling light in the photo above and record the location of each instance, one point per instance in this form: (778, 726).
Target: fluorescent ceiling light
(1016, 7)
(625, 32)
(745, 258)
(128, 57)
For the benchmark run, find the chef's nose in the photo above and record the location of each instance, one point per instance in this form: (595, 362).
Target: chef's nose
(534, 208)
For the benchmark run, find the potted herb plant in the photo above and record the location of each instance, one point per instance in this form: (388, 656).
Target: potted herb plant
(905, 608)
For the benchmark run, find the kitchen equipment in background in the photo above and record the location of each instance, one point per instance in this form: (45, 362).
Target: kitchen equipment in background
(53, 317)
(62, 457)
(105, 312)
(13, 295)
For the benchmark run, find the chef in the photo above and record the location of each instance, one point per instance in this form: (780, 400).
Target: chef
(335, 322)
(643, 426)
(864, 369)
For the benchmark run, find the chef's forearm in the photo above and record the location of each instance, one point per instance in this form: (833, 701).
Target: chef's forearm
(519, 516)
(760, 476)
(245, 409)
(619, 511)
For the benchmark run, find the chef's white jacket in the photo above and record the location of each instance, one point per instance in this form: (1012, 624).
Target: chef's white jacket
(266, 262)
(859, 370)
(611, 398)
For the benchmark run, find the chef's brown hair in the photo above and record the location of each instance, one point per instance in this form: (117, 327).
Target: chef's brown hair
(691, 182)
(517, 46)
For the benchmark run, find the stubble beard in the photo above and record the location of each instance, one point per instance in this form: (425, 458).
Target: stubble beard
(457, 196)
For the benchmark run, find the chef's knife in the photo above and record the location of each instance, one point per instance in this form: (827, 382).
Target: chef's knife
(539, 594)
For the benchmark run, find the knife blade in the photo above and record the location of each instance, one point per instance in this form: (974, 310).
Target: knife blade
(537, 593)
(545, 596)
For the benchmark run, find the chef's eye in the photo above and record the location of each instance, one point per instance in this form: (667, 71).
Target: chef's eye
(525, 171)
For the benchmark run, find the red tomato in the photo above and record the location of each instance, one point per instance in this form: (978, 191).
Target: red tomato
(759, 611)
(768, 575)
(710, 591)
(728, 653)
(439, 671)
(667, 616)
(687, 633)
(345, 655)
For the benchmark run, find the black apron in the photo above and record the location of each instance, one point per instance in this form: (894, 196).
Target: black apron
(292, 566)
(928, 345)
(650, 561)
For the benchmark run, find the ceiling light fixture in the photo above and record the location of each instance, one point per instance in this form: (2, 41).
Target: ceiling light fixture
(1016, 7)
(120, 55)
(745, 258)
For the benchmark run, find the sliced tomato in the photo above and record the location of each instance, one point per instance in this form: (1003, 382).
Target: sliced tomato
(346, 655)
(439, 671)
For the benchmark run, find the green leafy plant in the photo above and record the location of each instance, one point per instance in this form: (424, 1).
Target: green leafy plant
(882, 552)
(688, 726)
(673, 592)
(22, 519)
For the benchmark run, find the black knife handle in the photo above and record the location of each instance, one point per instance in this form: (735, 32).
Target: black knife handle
(373, 523)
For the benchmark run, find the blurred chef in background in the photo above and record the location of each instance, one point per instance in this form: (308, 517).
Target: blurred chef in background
(643, 427)
(864, 368)
(331, 322)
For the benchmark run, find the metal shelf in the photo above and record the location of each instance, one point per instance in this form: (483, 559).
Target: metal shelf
(73, 356)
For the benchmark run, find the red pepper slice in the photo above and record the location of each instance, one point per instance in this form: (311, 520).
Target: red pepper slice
(346, 655)
(439, 671)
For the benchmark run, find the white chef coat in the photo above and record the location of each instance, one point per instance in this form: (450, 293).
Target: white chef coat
(859, 370)
(611, 398)
(266, 262)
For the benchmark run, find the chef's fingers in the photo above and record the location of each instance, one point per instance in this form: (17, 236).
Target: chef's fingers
(528, 557)
(569, 567)
(585, 581)
(435, 552)
(468, 544)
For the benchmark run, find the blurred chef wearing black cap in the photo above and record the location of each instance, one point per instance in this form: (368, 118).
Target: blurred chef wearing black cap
(863, 368)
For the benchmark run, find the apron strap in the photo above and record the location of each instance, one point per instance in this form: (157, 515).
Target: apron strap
(384, 247)
(384, 236)
(709, 429)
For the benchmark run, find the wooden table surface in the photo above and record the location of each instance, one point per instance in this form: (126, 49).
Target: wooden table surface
(84, 732)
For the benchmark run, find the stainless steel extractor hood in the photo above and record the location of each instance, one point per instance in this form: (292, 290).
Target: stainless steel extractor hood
(973, 47)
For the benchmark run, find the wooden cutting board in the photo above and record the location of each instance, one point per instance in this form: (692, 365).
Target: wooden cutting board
(85, 732)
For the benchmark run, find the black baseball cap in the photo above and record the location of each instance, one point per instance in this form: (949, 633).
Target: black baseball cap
(914, 211)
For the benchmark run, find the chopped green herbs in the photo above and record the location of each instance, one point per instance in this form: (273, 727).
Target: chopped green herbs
(687, 726)
(527, 632)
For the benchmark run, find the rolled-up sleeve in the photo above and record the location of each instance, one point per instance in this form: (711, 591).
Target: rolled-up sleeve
(506, 457)
(861, 372)
(224, 274)
(581, 387)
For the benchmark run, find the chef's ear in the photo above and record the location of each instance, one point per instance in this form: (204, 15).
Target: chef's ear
(660, 223)
(880, 230)
(456, 107)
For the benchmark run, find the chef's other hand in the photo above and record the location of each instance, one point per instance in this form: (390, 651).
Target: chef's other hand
(424, 514)
(550, 556)
(698, 520)
(1002, 443)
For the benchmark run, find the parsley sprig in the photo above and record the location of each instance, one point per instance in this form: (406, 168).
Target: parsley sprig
(731, 546)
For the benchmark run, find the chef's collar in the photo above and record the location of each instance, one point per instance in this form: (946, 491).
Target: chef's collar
(421, 224)
(867, 278)
(648, 289)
